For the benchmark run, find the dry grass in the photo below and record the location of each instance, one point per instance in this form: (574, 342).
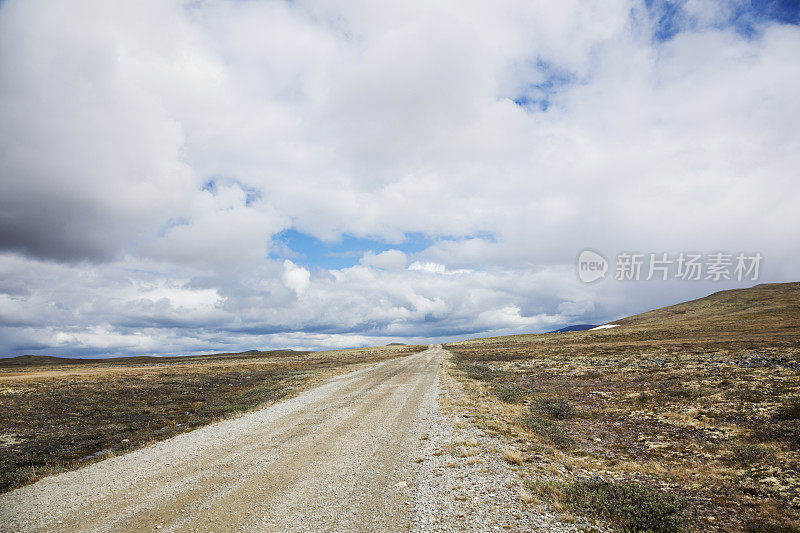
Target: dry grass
(470, 442)
(526, 497)
(512, 457)
(58, 414)
(698, 400)
(466, 451)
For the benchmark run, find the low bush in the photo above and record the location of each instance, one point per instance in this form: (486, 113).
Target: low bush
(629, 506)
(771, 526)
(746, 394)
(643, 398)
(777, 431)
(558, 408)
(510, 392)
(550, 431)
(478, 371)
(750, 454)
(675, 391)
(788, 411)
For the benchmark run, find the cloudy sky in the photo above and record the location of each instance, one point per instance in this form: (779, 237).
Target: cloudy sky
(186, 177)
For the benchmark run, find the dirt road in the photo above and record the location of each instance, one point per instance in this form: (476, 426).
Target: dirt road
(340, 457)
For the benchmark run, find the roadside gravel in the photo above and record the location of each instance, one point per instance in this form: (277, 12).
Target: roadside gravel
(464, 484)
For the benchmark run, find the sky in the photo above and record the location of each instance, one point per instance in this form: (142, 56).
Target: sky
(206, 176)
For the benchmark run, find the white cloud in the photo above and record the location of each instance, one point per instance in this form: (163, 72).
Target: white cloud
(428, 266)
(390, 259)
(379, 121)
(296, 278)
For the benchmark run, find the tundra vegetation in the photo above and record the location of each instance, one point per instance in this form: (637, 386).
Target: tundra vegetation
(59, 414)
(683, 418)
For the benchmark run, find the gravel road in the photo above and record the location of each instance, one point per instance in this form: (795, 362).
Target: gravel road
(361, 452)
(340, 457)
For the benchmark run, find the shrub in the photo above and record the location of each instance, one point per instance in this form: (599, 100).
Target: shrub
(630, 506)
(510, 392)
(771, 526)
(746, 394)
(535, 421)
(674, 389)
(478, 372)
(777, 430)
(748, 454)
(789, 411)
(643, 397)
(558, 408)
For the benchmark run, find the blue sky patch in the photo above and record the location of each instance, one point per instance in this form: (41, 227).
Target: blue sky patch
(172, 223)
(213, 184)
(670, 18)
(303, 248)
(539, 95)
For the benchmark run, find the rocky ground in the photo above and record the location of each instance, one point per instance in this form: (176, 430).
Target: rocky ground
(466, 485)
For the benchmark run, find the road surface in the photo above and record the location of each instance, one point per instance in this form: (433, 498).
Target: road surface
(340, 457)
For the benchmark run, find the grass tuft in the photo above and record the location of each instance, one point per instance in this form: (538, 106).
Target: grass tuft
(512, 457)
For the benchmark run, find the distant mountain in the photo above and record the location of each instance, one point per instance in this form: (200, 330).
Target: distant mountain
(47, 360)
(576, 327)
